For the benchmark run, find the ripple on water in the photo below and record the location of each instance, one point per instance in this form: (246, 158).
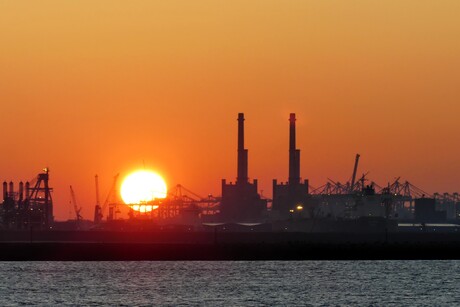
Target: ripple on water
(219, 283)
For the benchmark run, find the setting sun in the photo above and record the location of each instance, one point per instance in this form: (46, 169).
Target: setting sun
(141, 187)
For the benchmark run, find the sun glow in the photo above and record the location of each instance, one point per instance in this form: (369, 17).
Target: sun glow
(142, 187)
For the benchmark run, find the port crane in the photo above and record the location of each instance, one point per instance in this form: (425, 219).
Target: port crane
(75, 205)
(185, 198)
(99, 211)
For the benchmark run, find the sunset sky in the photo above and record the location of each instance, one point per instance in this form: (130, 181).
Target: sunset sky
(106, 87)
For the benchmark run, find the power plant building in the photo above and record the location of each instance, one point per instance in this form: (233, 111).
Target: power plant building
(291, 197)
(241, 201)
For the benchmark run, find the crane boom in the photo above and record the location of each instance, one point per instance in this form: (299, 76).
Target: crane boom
(353, 178)
(75, 205)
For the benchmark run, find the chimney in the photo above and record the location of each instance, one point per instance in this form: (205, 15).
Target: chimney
(242, 153)
(5, 190)
(11, 191)
(21, 191)
(294, 154)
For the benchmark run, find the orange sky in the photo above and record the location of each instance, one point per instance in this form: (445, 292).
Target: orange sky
(103, 87)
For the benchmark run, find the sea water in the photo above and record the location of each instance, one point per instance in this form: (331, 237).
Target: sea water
(231, 283)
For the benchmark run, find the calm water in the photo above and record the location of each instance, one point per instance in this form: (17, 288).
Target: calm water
(231, 283)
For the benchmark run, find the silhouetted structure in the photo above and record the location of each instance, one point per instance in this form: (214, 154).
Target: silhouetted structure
(240, 201)
(34, 209)
(291, 197)
(332, 207)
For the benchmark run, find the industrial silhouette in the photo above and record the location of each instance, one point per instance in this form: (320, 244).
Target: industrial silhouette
(241, 201)
(295, 206)
(291, 196)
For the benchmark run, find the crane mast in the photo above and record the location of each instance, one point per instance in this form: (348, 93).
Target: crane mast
(97, 209)
(97, 190)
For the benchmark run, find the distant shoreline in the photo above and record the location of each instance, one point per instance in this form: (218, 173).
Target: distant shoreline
(60, 251)
(114, 246)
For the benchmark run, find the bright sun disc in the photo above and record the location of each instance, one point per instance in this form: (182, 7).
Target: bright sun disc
(141, 187)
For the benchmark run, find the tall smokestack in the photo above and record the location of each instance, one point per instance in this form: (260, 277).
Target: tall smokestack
(11, 192)
(294, 154)
(5, 190)
(242, 152)
(21, 190)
